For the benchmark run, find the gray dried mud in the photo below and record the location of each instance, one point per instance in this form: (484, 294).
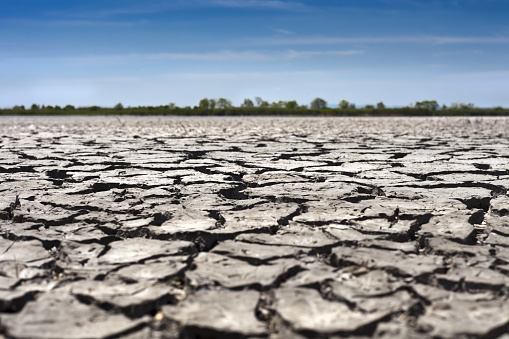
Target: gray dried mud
(125, 227)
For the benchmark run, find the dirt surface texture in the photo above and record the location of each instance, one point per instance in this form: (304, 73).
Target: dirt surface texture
(173, 227)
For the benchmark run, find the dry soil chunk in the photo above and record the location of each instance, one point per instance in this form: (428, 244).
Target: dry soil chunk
(305, 310)
(500, 206)
(499, 225)
(261, 216)
(161, 269)
(453, 226)
(446, 247)
(314, 273)
(293, 236)
(214, 269)
(135, 250)
(185, 221)
(456, 319)
(30, 253)
(66, 318)
(371, 284)
(133, 299)
(217, 313)
(473, 279)
(78, 253)
(393, 261)
(256, 252)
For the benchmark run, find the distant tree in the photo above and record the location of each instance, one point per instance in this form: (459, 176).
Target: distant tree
(94, 108)
(461, 105)
(212, 103)
(34, 107)
(343, 104)
(204, 103)
(279, 104)
(19, 108)
(444, 107)
(223, 103)
(498, 108)
(351, 106)
(69, 108)
(261, 103)
(380, 105)
(247, 103)
(428, 104)
(172, 105)
(49, 107)
(369, 107)
(57, 108)
(119, 106)
(292, 104)
(318, 103)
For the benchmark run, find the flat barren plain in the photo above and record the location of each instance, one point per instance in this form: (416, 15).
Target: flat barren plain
(173, 227)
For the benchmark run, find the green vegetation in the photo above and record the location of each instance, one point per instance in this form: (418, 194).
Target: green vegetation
(318, 103)
(224, 107)
(427, 104)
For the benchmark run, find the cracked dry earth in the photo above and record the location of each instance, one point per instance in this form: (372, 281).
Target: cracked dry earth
(254, 227)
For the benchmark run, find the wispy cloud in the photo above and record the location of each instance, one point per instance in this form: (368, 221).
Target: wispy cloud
(249, 55)
(417, 39)
(148, 7)
(74, 22)
(244, 75)
(502, 74)
(226, 55)
(271, 4)
(283, 31)
(216, 56)
(155, 6)
(306, 54)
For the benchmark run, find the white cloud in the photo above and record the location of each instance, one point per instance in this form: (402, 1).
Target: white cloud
(502, 74)
(248, 55)
(306, 54)
(92, 23)
(417, 39)
(218, 56)
(73, 22)
(157, 6)
(244, 75)
(209, 56)
(148, 7)
(274, 4)
(284, 31)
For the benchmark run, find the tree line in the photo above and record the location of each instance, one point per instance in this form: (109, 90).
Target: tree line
(223, 103)
(258, 106)
(317, 103)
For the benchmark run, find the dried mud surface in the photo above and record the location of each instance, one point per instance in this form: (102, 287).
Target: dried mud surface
(254, 227)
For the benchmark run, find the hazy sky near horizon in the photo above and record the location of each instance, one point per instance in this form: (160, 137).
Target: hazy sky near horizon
(153, 52)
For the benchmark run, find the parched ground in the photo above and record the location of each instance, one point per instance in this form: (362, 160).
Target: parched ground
(254, 227)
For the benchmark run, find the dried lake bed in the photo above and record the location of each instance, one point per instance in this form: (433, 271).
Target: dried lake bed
(179, 227)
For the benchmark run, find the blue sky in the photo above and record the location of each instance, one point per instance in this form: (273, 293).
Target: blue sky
(153, 52)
